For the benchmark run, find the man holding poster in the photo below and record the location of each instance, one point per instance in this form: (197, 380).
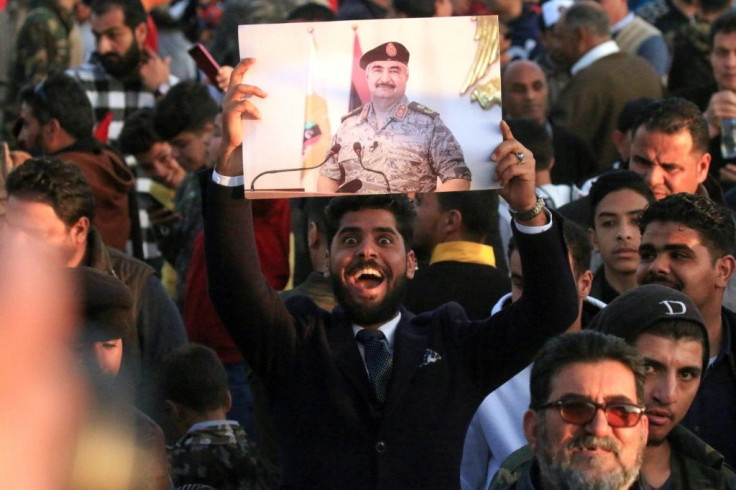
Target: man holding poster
(369, 395)
(391, 145)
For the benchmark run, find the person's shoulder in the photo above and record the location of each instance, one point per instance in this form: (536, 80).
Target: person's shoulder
(511, 473)
(352, 113)
(703, 461)
(88, 71)
(126, 266)
(423, 109)
(38, 16)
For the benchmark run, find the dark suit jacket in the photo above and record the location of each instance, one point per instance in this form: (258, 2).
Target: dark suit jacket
(330, 431)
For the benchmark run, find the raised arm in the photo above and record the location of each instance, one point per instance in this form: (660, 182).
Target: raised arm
(249, 308)
(503, 345)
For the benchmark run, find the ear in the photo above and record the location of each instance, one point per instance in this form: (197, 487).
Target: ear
(702, 167)
(411, 264)
(585, 283)
(593, 239)
(618, 138)
(140, 32)
(724, 270)
(451, 221)
(312, 235)
(50, 131)
(228, 402)
(80, 230)
(531, 424)
(551, 163)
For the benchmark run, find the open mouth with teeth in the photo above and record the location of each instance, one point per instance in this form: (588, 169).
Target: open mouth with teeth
(367, 277)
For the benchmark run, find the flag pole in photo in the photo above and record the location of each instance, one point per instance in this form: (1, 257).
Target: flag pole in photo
(359, 92)
(316, 140)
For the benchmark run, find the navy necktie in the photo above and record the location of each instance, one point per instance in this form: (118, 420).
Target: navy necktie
(377, 360)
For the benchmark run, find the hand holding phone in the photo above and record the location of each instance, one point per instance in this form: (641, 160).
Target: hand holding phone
(205, 62)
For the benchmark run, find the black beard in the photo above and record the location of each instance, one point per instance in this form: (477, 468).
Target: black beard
(370, 315)
(122, 66)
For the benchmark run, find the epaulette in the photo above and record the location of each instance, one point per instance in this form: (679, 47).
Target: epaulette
(352, 113)
(416, 106)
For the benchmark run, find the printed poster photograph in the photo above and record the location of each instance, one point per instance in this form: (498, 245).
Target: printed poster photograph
(376, 106)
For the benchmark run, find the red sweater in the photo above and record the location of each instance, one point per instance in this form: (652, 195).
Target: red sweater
(272, 223)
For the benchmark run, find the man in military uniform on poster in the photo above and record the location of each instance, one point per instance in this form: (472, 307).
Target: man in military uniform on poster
(390, 144)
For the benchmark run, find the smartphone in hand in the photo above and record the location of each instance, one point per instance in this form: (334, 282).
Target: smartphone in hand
(205, 62)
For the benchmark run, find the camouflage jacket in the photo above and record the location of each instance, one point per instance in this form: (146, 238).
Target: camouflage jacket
(42, 46)
(695, 464)
(218, 454)
(408, 153)
(515, 472)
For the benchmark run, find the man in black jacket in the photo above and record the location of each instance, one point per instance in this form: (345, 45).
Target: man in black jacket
(369, 395)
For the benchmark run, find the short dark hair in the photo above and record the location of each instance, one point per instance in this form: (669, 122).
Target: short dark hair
(724, 24)
(627, 116)
(133, 11)
(714, 6)
(56, 182)
(194, 376)
(63, 98)
(586, 346)
(578, 245)
(188, 106)
(712, 221)
(476, 208)
(397, 204)
(138, 134)
(311, 12)
(672, 115)
(586, 14)
(535, 137)
(512, 246)
(415, 8)
(617, 180)
(314, 209)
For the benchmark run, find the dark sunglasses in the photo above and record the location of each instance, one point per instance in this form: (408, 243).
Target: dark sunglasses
(581, 412)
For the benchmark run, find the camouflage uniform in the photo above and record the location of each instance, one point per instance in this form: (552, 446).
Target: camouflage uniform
(515, 472)
(219, 455)
(42, 46)
(695, 464)
(412, 149)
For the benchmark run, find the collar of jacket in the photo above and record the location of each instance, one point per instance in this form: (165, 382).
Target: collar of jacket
(460, 251)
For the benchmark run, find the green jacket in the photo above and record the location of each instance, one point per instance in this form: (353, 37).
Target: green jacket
(42, 46)
(695, 464)
(515, 472)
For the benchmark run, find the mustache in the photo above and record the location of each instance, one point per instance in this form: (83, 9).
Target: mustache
(386, 84)
(654, 278)
(356, 266)
(593, 442)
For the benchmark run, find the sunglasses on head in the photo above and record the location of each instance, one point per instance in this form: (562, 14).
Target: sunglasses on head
(582, 412)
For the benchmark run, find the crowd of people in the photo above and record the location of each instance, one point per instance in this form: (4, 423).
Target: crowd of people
(574, 328)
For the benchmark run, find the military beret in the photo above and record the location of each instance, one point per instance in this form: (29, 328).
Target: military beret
(105, 303)
(390, 51)
(637, 309)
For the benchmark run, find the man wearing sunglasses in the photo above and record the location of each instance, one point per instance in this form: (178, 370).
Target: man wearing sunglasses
(585, 424)
(668, 331)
